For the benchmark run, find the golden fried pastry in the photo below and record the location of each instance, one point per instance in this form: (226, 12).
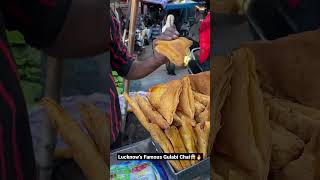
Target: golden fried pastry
(186, 104)
(170, 99)
(159, 137)
(177, 143)
(186, 118)
(187, 122)
(97, 124)
(207, 129)
(153, 116)
(188, 136)
(137, 111)
(203, 99)
(155, 94)
(201, 82)
(199, 108)
(203, 116)
(202, 134)
(83, 150)
(176, 120)
(174, 50)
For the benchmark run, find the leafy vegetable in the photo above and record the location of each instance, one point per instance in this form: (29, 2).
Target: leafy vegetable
(28, 66)
(119, 82)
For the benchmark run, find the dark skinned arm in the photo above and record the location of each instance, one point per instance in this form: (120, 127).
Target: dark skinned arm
(140, 69)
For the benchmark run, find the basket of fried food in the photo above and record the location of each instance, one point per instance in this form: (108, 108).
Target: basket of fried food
(176, 116)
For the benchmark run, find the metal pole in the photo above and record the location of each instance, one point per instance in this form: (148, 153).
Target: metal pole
(132, 32)
(48, 133)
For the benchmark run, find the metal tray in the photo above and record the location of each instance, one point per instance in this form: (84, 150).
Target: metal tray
(197, 171)
(145, 146)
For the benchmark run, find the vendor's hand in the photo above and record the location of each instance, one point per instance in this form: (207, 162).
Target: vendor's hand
(168, 35)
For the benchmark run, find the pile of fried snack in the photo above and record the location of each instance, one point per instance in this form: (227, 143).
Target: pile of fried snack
(270, 117)
(89, 150)
(177, 118)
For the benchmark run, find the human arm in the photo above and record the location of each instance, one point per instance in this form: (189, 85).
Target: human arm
(140, 69)
(125, 64)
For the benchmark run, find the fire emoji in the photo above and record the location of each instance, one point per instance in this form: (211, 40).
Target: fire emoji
(199, 157)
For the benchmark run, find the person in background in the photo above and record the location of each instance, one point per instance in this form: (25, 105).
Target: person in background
(62, 29)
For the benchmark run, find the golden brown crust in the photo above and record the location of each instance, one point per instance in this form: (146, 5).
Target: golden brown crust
(153, 116)
(203, 116)
(201, 82)
(203, 99)
(155, 94)
(203, 136)
(186, 118)
(96, 122)
(187, 104)
(174, 136)
(189, 138)
(176, 120)
(170, 100)
(199, 108)
(137, 111)
(83, 150)
(159, 137)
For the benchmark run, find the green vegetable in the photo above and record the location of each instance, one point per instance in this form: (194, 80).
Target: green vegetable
(119, 82)
(28, 66)
(14, 37)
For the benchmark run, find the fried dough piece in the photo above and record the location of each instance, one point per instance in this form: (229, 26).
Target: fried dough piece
(184, 117)
(176, 120)
(153, 116)
(174, 136)
(174, 50)
(203, 136)
(158, 135)
(207, 129)
(82, 148)
(204, 115)
(155, 95)
(203, 99)
(170, 100)
(306, 166)
(137, 111)
(199, 108)
(286, 147)
(188, 136)
(201, 82)
(186, 104)
(96, 122)
(187, 122)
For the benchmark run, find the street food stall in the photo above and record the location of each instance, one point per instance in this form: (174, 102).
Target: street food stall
(170, 117)
(70, 130)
